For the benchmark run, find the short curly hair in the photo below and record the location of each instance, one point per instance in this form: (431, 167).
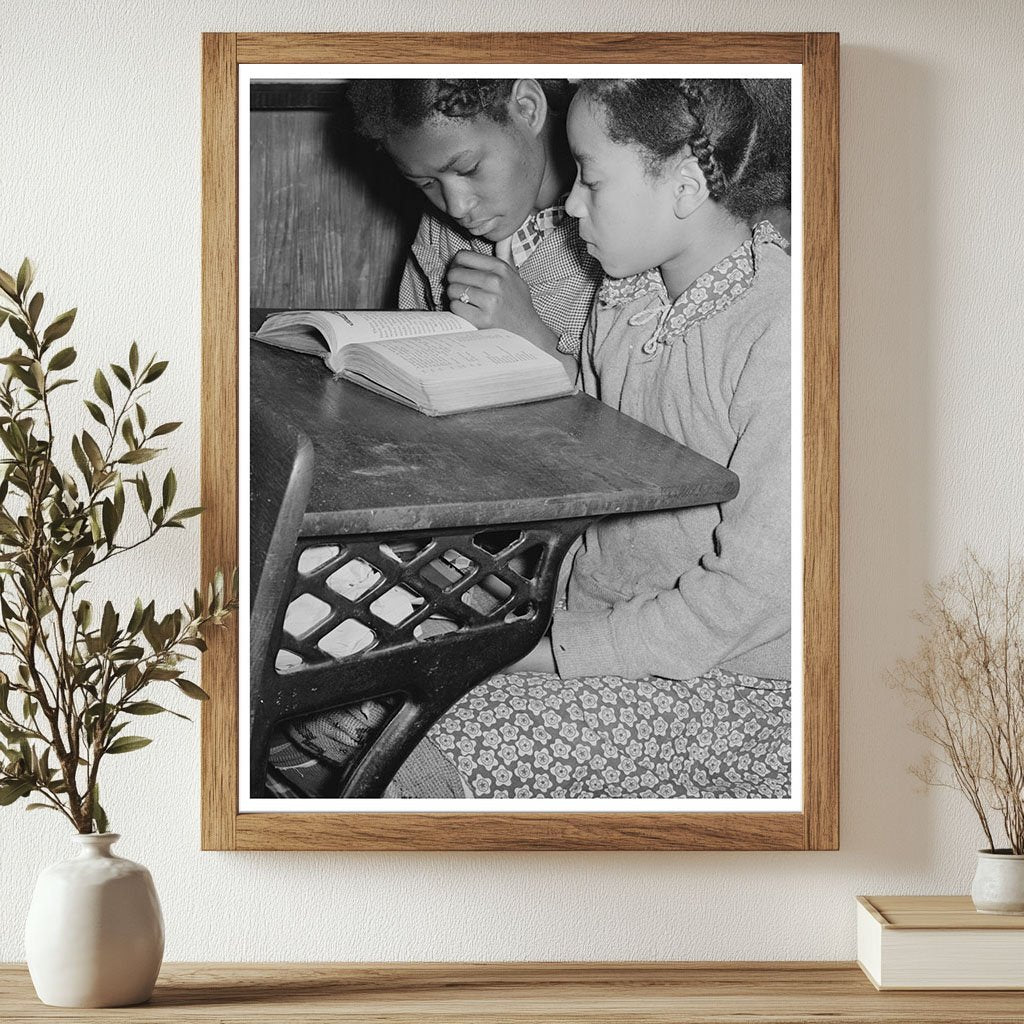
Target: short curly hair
(738, 129)
(385, 106)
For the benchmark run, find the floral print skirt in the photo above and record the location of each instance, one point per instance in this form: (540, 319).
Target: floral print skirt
(721, 735)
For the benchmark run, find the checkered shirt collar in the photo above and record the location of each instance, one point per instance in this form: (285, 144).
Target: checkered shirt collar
(532, 231)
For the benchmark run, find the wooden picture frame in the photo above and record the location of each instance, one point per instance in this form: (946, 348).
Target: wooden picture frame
(816, 826)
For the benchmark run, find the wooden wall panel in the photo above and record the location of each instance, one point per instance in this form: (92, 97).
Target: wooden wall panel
(219, 428)
(329, 219)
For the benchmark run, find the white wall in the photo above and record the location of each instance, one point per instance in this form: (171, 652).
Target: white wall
(100, 183)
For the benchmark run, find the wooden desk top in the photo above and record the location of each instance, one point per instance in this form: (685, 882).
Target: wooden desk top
(781, 993)
(382, 467)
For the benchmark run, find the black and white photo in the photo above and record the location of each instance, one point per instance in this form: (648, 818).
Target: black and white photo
(635, 234)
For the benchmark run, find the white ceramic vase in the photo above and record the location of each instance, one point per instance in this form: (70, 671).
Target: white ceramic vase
(999, 882)
(95, 934)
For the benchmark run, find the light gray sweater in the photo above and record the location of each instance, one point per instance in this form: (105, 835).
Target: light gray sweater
(676, 594)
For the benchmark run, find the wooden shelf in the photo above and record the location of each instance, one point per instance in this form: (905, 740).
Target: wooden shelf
(613, 993)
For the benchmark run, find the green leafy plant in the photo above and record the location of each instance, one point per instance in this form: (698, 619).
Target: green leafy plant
(80, 672)
(967, 682)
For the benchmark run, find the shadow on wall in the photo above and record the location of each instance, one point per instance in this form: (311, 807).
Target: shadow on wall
(887, 215)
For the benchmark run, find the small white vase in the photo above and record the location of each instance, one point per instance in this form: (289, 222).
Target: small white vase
(999, 882)
(95, 934)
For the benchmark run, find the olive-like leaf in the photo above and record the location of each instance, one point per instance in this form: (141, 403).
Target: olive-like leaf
(170, 487)
(165, 428)
(99, 816)
(92, 449)
(11, 791)
(119, 499)
(185, 513)
(102, 388)
(128, 433)
(164, 673)
(78, 453)
(138, 455)
(109, 521)
(35, 307)
(8, 284)
(143, 707)
(108, 625)
(60, 326)
(84, 614)
(95, 412)
(63, 359)
(26, 274)
(133, 358)
(124, 744)
(130, 653)
(154, 371)
(137, 616)
(192, 690)
(20, 328)
(145, 498)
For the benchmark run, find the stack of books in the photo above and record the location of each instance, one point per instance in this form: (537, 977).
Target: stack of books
(938, 942)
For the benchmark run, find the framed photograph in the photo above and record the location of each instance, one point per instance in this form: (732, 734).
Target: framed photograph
(590, 601)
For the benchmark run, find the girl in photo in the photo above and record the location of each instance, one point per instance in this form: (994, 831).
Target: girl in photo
(691, 335)
(673, 653)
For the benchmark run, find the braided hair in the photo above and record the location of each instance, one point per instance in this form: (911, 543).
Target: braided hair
(386, 106)
(738, 130)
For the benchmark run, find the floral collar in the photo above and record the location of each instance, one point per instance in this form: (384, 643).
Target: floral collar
(715, 290)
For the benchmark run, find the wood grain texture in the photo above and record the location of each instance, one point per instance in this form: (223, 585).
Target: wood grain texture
(817, 827)
(524, 993)
(533, 832)
(533, 47)
(821, 441)
(219, 428)
(953, 913)
(332, 212)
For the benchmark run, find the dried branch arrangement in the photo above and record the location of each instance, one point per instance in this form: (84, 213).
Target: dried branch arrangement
(79, 671)
(967, 679)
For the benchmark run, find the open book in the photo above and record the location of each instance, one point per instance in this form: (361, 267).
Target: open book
(435, 362)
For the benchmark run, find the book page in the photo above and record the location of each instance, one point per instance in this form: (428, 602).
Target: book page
(465, 357)
(327, 332)
(382, 325)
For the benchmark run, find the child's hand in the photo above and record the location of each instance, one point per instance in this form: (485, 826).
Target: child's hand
(488, 292)
(540, 659)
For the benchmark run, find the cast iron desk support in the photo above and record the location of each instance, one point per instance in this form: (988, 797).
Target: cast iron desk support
(452, 510)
